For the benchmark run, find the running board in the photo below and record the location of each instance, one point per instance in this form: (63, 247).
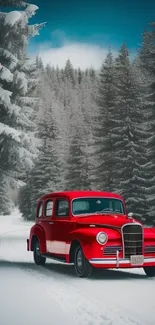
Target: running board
(59, 259)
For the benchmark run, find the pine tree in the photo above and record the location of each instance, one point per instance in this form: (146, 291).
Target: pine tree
(147, 67)
(130, 156)
(86, 116)
(5, 203)
(80, 75)
(10, 138)
(77, 166)
(13, 3)
(15, 117)
(24, 201)
(103, 128)
(69, 72)
(46, 174)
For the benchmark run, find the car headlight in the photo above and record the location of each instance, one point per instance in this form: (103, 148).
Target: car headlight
(102, 238)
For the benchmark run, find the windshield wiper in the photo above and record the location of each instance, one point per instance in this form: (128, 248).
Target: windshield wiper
(83, 214)
(107, 210)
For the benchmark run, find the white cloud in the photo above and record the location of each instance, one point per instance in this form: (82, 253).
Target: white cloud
(81, 55)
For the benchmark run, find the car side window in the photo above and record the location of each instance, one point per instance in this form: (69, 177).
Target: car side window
(49, 208)
(62, 208)
(40, 210)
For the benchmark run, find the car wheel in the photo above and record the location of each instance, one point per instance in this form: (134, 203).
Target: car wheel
(81, 264)
(39, 260)
(150, 271)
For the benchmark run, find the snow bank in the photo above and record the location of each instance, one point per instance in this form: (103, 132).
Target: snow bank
(12, 17)
(14, 225)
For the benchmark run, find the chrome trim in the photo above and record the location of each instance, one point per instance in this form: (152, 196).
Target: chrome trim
(131, 224)
(113, 261)
(117, 258)
(101, 232)
(97, 197)
(111, 250)
(149, 249)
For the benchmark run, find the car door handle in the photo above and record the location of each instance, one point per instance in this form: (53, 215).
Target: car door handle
(51, 223)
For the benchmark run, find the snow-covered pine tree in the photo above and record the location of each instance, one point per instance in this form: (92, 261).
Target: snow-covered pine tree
(86, 117)
(14, 84)
(48, 171)
(80, 74)
(69, 72)
(13, 3)
(29, 102)
(24, 201)
(103, 128)
(45, 176)
(9, 137)
(76, 177)
(79, 113)
(129, 154)
(146, 63)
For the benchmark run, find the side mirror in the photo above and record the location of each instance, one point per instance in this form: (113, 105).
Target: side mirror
(130, 215)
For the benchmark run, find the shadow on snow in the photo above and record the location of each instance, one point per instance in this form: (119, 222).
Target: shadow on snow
(68, 271)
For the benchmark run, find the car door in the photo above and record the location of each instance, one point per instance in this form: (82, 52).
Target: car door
(61, 228)
(47, 222)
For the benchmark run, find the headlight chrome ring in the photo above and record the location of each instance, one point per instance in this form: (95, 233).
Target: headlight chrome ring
(102, 238)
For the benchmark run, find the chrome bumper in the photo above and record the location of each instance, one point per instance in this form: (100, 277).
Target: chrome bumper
(113, 261)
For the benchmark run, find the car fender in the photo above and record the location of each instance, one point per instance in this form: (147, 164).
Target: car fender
(37, 231)
(153, 229)
(87, 239)
(149, 233)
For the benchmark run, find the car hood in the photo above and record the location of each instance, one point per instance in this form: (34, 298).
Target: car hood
(105, 220)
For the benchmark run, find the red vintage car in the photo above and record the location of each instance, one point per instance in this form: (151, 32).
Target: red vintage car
(90, 229)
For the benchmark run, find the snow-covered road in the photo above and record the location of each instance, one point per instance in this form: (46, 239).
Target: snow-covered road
(36, 295)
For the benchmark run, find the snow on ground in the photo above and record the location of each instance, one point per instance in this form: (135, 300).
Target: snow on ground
(52, 294)
(14, 225)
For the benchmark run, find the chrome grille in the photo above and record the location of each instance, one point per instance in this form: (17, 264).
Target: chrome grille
(149, 249)
(133, 240)
(111, 250)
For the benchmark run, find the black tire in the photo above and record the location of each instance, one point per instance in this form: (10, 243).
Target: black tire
(38, 259)
(82, 266)
(149, 270)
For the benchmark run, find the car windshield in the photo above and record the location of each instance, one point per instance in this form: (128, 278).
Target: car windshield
(81, 206)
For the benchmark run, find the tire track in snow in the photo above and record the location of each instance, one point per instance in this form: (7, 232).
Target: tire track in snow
(80, 307)
(83, 309)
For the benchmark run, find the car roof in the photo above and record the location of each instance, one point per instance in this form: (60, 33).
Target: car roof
(76, 194)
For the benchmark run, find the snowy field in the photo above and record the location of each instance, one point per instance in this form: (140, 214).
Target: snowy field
(53, 295)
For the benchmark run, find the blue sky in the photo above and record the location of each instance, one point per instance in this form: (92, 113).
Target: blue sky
(89, 26)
